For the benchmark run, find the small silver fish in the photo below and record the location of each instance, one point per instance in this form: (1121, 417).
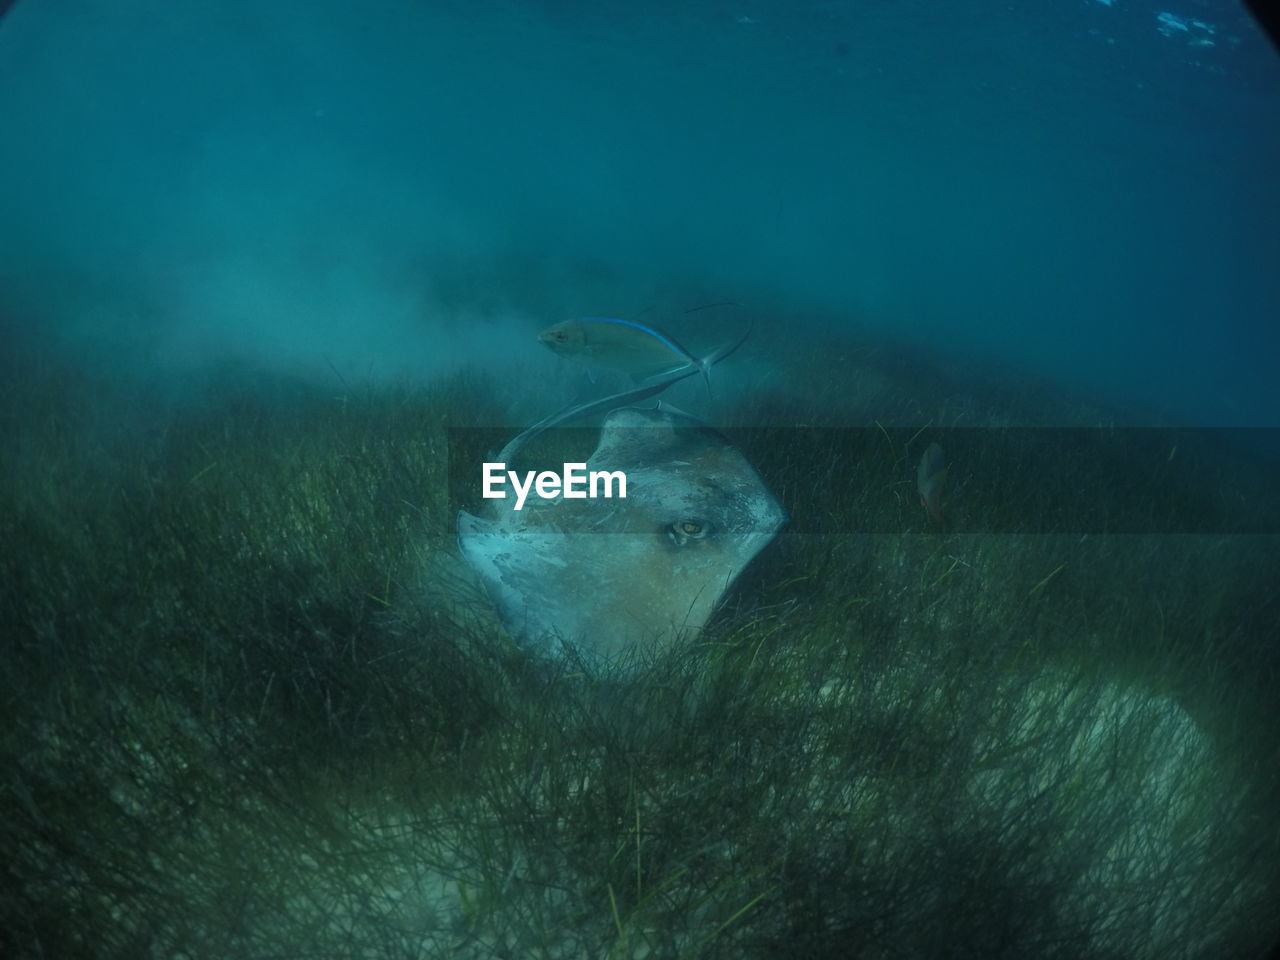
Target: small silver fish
(625, 345)
(931, 476)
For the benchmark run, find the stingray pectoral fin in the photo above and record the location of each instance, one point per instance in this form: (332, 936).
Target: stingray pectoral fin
(522, 572)
(486, 549)
(469, 525)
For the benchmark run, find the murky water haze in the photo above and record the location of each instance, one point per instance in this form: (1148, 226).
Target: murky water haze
(1078, 190)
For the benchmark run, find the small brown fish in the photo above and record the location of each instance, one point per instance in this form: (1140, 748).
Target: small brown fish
(931, 476)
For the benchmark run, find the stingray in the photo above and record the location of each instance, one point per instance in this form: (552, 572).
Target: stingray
(598, 581)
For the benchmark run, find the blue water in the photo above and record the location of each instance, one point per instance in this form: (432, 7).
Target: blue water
(1081, 190)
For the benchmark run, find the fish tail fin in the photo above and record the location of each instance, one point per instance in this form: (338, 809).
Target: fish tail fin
(720, 353)
(697, 365)
(725, 349)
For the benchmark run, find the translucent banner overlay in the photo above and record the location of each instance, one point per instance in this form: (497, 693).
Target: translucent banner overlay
(869, 480)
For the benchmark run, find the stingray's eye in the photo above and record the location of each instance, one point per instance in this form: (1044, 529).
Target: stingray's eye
(682, 531)
(560, 336)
